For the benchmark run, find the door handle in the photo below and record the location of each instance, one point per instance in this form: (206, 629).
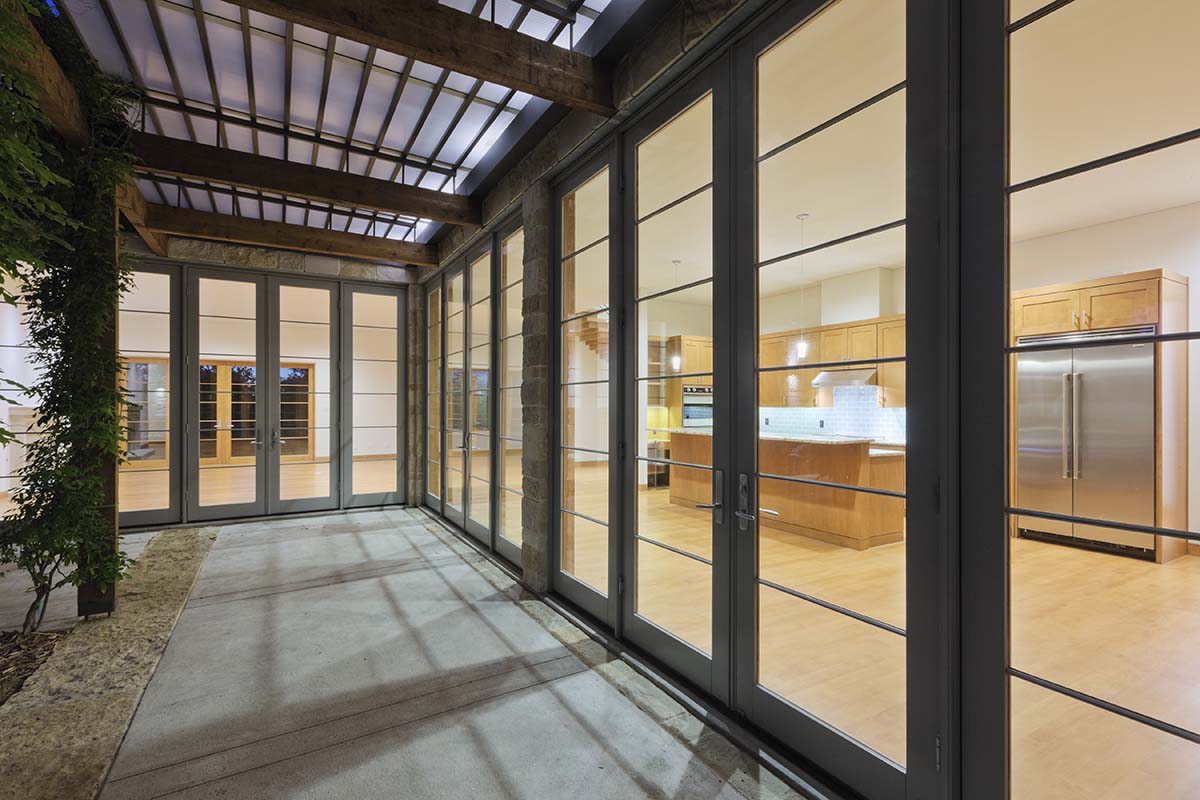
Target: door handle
(718, 492)
(1076, 391)
(1066, 424)
(274, 437)
(742, 513)
(769, 512)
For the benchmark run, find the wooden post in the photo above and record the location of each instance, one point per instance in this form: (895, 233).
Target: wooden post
(92, 597)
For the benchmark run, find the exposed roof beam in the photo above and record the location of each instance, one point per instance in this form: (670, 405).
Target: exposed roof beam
(133, 206)
(60, 103)
(264, 233)
(447, 38)
(169, 156)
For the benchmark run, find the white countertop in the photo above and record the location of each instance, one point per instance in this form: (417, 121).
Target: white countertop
(780, 437)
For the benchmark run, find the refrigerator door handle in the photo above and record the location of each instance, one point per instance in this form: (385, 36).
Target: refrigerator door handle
(1076, 390)
(1066, 424)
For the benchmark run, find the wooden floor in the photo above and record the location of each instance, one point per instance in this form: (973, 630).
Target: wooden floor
(1124, 630)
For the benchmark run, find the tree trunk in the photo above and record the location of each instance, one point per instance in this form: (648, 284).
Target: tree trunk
(37, 610)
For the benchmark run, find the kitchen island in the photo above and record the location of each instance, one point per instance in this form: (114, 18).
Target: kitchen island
(859, 520)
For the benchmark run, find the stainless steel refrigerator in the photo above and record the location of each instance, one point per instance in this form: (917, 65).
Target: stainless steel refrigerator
(1086, 436)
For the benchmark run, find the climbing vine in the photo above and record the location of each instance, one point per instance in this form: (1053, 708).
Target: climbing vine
(62, 249)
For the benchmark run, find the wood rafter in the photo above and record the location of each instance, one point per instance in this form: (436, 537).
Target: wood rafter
(447, 38)
(265, 233)
(169, 156)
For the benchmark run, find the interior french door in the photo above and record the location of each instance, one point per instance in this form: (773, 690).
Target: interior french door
(260, 380)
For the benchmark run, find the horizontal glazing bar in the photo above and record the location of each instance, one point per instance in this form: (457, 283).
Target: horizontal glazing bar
(829, 123)
(594, 312)
(1106, 161)
(603, 382)
(670, 463)
(850, 237)
(584, 450)
(674, 550)
(1112, 708)
(823, 364)
(1037, 14)
(674, 289)
(834, 607)
(1103, 523)
(672, 376)
(828, 484)
(675, 202)
(593, 520)
(584, 249)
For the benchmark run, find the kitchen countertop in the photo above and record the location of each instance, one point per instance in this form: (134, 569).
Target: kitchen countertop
(814, 439)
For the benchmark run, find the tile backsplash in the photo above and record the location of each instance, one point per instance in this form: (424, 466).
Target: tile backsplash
(855, 412)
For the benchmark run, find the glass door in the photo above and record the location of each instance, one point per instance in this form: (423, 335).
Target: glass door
(226, 475)
(477, 443)
(454, 453)
(676, 488)
(372, 401)
(303, 353)
(819, 489)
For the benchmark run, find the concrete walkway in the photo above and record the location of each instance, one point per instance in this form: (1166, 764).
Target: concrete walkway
(373, 655)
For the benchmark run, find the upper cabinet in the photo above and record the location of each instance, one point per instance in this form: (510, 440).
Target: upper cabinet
(1121, 301)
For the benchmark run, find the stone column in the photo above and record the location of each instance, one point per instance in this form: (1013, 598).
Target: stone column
(417, 395)
(536, 393)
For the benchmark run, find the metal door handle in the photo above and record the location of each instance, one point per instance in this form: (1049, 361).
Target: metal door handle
(743, 505)
(1066, 424)
(718, 493)
(1076, 390)
(274, 437)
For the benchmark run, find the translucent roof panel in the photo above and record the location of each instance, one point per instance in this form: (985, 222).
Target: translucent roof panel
(217, 73)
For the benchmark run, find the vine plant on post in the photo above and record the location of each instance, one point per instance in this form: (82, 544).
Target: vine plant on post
(71, 276)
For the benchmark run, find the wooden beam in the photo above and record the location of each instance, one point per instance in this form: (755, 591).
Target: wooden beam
(133, 206)
(56, 96)
(228, 228)
(444, 37)
(169, 156)
(60, 103)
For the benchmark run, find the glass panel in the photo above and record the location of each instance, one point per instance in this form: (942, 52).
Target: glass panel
(585, 348)
(846, 179)
(675, 593)
(676, 159)
(584, 548)
(228, 383)
(510, 409)
(852, 674)
(512, 258)
(667, 510)
(834, 43)
(374, 345)
(673, 249)
(832, 165)
(1104, 429)
(509, 524)
(683, 321)
(585, 281)
(481, 494)
(19, 412)
(585, 484)
(1127, 70)
(305, 383)
(584, 219)
(510, 464)
(481, 278)
(1136, 760)
(511, 358)
(585, 416)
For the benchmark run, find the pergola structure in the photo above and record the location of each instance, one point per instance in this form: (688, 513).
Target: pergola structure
(339, 128)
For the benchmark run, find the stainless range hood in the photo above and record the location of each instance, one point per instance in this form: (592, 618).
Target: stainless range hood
(845, 377)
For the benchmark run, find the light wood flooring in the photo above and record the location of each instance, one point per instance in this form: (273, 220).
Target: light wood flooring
(1124, 630)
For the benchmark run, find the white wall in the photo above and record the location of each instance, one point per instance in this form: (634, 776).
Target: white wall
(1167, 239)
(790, 310)
(866, 294)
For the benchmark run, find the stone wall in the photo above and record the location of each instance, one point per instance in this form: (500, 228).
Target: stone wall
(536, 396)
(417, 394)
(240, 255)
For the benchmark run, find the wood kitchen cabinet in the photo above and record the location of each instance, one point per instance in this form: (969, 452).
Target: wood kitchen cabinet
(1120, 301)
(892, 386)
(863, 340)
